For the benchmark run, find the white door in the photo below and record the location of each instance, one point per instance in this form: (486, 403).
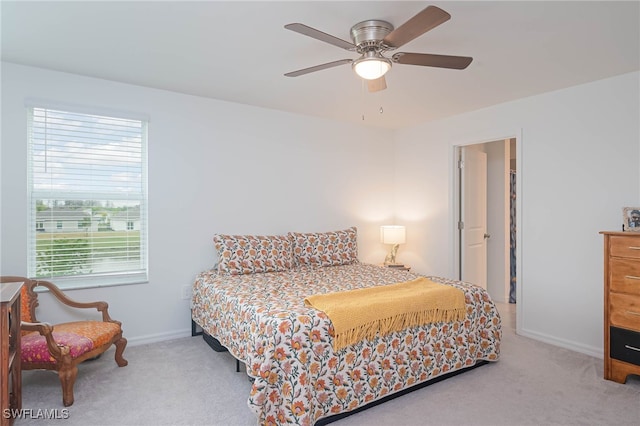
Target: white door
(473, 214)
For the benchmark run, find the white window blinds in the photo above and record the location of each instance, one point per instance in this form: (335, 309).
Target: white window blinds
(88, 198)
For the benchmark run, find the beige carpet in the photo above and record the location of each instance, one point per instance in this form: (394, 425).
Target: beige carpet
(184, 382)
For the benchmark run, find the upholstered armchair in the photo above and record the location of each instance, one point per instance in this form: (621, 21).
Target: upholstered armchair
(61, 347)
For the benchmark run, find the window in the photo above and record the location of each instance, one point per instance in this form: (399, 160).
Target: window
(88, 198)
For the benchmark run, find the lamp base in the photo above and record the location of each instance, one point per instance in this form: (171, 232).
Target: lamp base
(391, 257)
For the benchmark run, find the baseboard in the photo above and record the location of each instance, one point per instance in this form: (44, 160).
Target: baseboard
(567, 344)
(593, 351)
(159, 337)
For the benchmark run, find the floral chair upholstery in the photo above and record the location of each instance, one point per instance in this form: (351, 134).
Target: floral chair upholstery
(61, 347)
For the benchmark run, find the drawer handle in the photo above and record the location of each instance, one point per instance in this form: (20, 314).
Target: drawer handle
(634, 248)
(632, 348)
(633, 313)
(632, 277)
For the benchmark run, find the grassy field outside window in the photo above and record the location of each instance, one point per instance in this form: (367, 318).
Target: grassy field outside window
(84, 252)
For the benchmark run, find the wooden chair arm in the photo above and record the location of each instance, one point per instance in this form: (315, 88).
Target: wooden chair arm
(46, 330)
(101, 306)
(43, 328)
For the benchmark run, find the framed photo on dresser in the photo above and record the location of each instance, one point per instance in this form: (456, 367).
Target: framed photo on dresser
(631, 219)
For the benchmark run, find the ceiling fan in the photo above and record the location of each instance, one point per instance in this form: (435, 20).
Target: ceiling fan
(373, 38)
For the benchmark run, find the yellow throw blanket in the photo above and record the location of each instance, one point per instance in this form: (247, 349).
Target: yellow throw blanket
(362, 313)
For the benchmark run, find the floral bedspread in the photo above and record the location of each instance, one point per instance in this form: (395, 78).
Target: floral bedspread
(299, 379)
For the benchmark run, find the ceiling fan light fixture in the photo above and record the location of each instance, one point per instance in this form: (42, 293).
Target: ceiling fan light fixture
(372, 39)
(371, 66)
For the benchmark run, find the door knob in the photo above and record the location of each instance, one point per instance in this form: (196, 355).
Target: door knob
(487, 236)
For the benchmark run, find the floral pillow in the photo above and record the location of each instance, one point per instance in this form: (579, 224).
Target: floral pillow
(325, 248)
(250, 254)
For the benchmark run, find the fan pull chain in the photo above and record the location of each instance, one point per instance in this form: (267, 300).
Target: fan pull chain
(363, 94)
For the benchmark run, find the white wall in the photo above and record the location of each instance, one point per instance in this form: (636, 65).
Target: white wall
(578, 166)
(498, 220)
(221, 167)
(214, 167)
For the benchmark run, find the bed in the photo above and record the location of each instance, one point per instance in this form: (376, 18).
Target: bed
(255, 308)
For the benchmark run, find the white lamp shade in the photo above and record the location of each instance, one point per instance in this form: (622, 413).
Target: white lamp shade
(371, 68)
(392, 234)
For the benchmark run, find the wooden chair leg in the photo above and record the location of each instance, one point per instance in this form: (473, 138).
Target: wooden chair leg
(121, 343)
(68, 379)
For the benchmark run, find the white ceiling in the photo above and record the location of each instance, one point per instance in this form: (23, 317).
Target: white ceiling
(238, 51)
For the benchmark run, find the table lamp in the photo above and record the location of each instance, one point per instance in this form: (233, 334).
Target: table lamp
(392, 234)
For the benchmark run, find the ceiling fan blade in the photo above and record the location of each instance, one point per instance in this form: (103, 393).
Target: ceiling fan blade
(430, 60)
(318, 67)
(319, 35)
(377, 84)
(424, 21)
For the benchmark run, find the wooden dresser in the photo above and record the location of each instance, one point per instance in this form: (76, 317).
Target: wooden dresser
(10, 375)
(621, 305)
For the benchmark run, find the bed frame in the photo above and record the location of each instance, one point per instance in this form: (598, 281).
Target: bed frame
(211, 341)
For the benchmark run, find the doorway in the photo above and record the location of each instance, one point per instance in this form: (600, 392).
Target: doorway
(485, 234)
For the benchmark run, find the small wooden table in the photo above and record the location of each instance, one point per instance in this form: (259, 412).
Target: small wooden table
(10, 374)
(399, 267)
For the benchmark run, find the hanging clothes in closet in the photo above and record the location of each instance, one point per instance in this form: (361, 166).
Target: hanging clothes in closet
(512, 261)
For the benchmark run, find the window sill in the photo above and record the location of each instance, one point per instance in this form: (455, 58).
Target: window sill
(85, 282)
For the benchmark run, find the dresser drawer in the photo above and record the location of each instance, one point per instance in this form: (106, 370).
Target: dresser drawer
(624, 345)
(622, 246)
(625, 275)
(624, 311)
